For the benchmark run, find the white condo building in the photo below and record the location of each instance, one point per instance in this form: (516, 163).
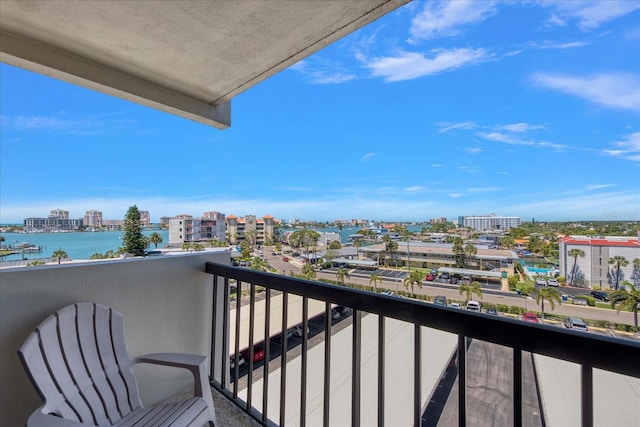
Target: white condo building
(593, 269)
(490, 222)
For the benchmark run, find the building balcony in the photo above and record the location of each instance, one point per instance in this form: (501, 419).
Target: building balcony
(355, 357)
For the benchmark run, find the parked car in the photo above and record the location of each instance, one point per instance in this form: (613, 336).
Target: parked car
(466, 280)
(232, 361)
(454, 305)
(285, 259)
(531, 317)
(576, 323)
(258, 353)
(540, 281)
(601, 295)
(297, 330)
(340, 311)
(444, 276)
(440, 300)
(473, 306)
(492, 311)
(553, 282)
(453, 280)
(430, 277)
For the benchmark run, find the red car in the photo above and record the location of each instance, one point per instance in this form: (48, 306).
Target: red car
(530, 317)
(430, 277)
(258, 353)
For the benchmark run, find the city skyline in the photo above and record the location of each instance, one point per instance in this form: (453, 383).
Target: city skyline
(437, 109)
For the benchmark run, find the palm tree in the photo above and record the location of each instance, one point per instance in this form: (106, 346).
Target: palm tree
(575, 253)
(156, 239)
(341, 274)
(59, 255)
(635, 274)
(550, 294)
(627, 298)
(415, 278)
(619, 261)
(470, 289)
(375, 278)
(469, 250)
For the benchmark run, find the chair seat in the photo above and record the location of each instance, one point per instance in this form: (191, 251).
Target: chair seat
(194, 411)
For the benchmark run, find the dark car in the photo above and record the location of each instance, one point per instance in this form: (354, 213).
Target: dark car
(601, 295)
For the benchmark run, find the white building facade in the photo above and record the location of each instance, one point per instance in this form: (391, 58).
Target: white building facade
(593, 269)
(491, 222)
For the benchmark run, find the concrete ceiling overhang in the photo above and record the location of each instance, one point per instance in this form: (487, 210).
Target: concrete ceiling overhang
(187, 58)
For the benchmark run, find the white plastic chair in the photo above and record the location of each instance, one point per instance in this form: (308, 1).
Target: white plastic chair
(78, 363)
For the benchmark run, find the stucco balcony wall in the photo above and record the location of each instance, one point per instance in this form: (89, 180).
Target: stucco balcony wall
(166, 302)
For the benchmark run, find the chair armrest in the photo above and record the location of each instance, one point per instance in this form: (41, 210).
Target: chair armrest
(193, 362)
(40, 419)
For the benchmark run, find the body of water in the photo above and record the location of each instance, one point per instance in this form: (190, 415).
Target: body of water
(78, 245)
(81, 245)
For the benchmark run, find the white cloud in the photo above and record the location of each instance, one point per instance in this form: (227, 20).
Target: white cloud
(367, 156)
(444, 18)
(449, 126)
(599, 186)
(519, 127)
(628, 148)
(435, 165)
(88, 125)
(414, 189)
(473, 150)
(505, 138)
(322, 71)
(613, 90)
(411, 65)
(559, 46)
(483, 189)
(590, 14)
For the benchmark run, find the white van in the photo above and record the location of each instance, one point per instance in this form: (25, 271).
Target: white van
(473, 306)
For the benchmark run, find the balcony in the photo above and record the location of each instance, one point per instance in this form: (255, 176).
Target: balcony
(388, 361)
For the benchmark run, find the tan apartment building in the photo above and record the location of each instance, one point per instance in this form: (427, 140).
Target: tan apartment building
(260, 229)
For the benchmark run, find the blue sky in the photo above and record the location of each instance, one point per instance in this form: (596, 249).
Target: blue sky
(435, 110)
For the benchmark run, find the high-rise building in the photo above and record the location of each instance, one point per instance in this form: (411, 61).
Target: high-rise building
(93, 219)
(259, 231)
(490, 222)
(186, 229)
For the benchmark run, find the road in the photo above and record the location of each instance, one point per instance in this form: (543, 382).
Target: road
(493, 296)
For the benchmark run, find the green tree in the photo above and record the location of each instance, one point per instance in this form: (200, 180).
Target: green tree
(133, 241)
(471, 288)
(335, 245)
(342, 274)
(635, 274)
(627, 298)
(619, 262)
(458, 252)
(35, 263)
(259, 264)
(518, 232)
(508, 242)
(412, 279)
(59, 255)
(575, 253)
(375, 279)
(155, 238)
(550, 294)
(308, 272)
(186, 246)
(197, 247)
(390, 246)
(527, 288)
(469, 250)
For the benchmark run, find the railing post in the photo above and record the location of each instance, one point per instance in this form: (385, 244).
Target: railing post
(517, 387)
(586, 390)
(355, 366)
(417, 376)
(381, 370)
(327, 364)
(462, 380)
(267, 352)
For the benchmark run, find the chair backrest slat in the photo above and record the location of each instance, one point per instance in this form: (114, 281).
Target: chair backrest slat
(69, 336)
(77, 360)
(53, 355)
